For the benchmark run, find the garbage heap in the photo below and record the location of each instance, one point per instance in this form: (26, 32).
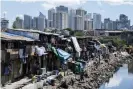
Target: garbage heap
(95, 73)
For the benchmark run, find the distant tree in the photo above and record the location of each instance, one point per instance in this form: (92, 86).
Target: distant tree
(17, 18)
(68, 29)
(79, 34)
(119, 42)
(72, 33)
(45, 29)
(55, 30)
(14, 26)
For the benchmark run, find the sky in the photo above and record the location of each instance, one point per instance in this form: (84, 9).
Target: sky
(107, 8)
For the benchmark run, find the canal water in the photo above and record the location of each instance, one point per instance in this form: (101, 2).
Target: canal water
(122, 79)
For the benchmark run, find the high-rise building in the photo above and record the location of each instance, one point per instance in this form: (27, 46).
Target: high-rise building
(102, 26)
(61, 20)
(88, 16)
(81, 12)
(51, 17)
(62, 9)
(80, 18)
(118, 24)
(72, 14)
(50, 13)
(35, 23)
(41, 15)
(124, 22)
(108, 24)
(50, 23)
(19, 23)
(114, 25)
(47, 24)
(97, 21)
(55, 20)
(88, 25)
(41, 22)
(79, 22)
(27, 22)
(131, 27)
(4, 24)
(111, 25)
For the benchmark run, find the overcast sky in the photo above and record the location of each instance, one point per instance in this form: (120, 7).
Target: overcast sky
(107, 8)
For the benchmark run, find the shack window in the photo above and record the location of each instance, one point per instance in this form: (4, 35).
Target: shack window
(10, 45)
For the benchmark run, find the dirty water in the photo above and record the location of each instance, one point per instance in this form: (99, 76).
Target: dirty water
(122, 79)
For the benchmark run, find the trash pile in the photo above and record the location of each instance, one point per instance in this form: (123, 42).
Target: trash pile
(95, 74)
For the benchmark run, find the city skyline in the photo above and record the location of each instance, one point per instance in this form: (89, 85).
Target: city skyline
(37, 7)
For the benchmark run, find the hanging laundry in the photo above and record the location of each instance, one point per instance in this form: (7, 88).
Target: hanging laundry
(20, 53)
(97, 46)
(76, 46)
(24, 52)
(36, 49)
(53, 40)
(24, 60)
(43, 48)
(28, 50)
(7, 70)
(20, 70)
(40, 51)
(32, 50)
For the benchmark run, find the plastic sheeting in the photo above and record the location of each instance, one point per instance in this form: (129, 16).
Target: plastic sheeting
(76, 45)
(97, 47)
(62, 54)
(102, 45)
(54, 50)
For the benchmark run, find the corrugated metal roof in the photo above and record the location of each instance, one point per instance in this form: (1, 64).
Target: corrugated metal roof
(61, 36)
(82, 37)
(64, 38)
(114, 31)
(33, 31)
(55, 34)
(10, 36)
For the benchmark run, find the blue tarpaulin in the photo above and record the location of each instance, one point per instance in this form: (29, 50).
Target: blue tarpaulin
(23, 33)
(62, 54)
(15, 37)
(10, 34)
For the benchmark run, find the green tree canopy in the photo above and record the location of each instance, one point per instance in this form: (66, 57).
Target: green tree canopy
(72, 33)
(17, 18)
(79, 34)
(118, 42)
(68, 29)
(13, 25)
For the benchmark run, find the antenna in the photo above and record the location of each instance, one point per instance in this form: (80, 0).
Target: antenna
(4, 15)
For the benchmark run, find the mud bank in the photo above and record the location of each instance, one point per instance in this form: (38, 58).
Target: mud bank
(96, 73)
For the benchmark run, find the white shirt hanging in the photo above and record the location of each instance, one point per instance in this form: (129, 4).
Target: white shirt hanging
(40, 51)
(20, 53)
